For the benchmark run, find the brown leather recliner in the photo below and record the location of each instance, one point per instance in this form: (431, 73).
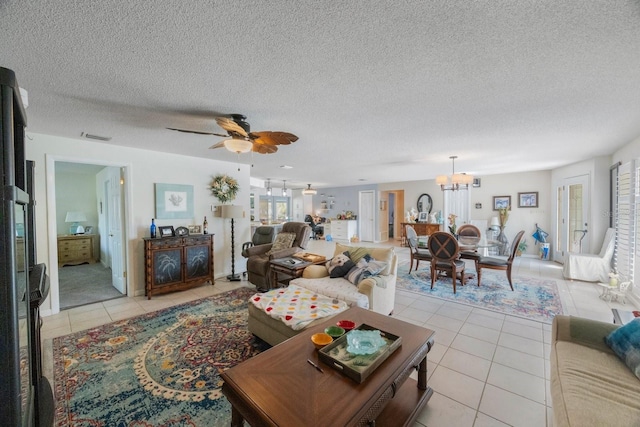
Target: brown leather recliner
(258, 260)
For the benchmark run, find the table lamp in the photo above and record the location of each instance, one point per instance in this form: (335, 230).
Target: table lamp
(75, 218)
(232, 211)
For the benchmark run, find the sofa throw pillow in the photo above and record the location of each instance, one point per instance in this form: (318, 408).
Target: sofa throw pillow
(366, 267)
(625, 342)
(339, 265)
(282, 241)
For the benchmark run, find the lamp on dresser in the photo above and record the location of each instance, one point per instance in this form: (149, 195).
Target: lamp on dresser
(75, 218)
(232, 211)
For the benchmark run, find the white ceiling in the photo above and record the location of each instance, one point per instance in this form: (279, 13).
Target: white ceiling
(378, 91)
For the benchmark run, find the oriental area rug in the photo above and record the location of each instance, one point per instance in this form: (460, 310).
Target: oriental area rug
(532, 298)
(158, 369)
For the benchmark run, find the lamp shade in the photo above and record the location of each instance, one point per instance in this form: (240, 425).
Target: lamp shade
(232, 211)
(75, 217)
(238, 145)
(495, 222)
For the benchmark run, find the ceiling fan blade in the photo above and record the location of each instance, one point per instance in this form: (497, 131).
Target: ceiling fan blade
(218, 145)
(262, 148)
(231, 126)
(274, 138)
(198, 132)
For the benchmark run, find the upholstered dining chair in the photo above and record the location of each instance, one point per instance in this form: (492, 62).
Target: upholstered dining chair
(500, 263)
(469, 235)
(417, 254)
(444, 251)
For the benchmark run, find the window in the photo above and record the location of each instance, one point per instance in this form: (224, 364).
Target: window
(626, 220)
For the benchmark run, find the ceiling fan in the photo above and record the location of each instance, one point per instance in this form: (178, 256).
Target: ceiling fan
(242, 139)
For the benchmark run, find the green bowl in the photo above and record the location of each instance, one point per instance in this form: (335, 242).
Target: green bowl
(334, 331)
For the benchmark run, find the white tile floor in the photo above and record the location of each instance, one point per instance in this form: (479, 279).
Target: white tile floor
(486, 368)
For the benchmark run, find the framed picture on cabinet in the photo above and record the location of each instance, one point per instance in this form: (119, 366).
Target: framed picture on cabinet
(423, 216)
(195, 229)
(501, 202)
(528, 200)
(166, 231)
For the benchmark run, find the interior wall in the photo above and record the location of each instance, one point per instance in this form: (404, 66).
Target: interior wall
(75, 191)
(490, 186)
(146, 168)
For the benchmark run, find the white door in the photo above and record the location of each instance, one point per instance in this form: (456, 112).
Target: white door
(572, 217)
(114, 221)
(366, 216)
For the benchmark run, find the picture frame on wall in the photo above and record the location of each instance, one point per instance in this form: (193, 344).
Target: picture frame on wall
(174, 201)
(166, 231)
(501, 202)
(528, 199)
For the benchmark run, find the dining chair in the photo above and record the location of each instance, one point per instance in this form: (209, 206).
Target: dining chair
(500, 263)
(468, 238)
(444, 251)
(417, 254)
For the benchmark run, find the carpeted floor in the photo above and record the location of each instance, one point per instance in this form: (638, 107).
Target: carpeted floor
(158, 369)
(85, 284)
(532, 298)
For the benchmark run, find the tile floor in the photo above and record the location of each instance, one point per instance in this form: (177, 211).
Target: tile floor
(486, 368)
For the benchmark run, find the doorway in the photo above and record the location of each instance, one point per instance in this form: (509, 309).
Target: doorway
(572, 217)
(96, 190)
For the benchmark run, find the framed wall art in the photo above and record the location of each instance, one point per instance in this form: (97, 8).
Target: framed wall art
(166, 231)
(528, 200)
(174, 201)
(501, 202)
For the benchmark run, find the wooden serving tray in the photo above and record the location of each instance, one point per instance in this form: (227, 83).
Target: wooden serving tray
(358, 366)
(309, 257)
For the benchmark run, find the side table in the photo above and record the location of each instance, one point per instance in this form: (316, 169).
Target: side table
(289, 267)
(621, 317)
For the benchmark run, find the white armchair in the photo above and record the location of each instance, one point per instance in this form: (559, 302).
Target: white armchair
(591, 267)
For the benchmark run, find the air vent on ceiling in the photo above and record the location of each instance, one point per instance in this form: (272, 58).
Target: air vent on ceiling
(98, 137)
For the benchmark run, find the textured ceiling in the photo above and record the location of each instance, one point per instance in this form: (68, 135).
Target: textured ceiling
(378, 91)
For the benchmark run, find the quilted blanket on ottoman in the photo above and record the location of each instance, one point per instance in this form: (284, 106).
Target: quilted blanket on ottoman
(296, 307)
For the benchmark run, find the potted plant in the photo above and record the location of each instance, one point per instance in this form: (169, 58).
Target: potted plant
(522, 247)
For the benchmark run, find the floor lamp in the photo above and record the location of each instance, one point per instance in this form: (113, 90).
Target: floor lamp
(232, 211)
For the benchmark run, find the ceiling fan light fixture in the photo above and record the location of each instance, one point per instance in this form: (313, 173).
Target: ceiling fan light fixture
(238, 145)
(309, 191)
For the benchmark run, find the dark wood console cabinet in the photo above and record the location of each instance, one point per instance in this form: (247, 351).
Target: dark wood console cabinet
(177, 263)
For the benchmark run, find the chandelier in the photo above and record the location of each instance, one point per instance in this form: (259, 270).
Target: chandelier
(456, 181)
(309, 191)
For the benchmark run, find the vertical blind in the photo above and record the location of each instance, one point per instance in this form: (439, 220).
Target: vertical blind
(627, 223)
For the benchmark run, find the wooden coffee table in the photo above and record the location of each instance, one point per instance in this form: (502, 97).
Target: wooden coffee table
(280, 388)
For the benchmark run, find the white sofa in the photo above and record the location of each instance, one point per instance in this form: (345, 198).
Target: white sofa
(376, 294)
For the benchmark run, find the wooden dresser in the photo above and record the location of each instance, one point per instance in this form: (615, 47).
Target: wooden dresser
(177, 263)
(75, 250)
(422, 229)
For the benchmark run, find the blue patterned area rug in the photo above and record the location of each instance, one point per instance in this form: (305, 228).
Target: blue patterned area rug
(158, 369)
(532, 298)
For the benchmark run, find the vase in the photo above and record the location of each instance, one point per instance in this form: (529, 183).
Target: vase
(504, 243)
(613, 282)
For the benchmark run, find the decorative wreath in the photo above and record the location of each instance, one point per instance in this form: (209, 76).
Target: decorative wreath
(224, 188)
